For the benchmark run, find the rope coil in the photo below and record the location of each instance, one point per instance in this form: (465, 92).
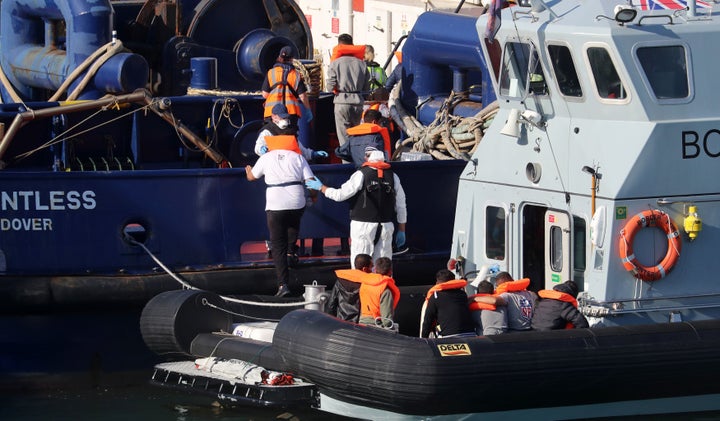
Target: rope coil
(448, 136)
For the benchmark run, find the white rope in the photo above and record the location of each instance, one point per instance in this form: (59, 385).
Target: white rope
(165, 268)
(320, 299)
(104, 53)
(262, 304)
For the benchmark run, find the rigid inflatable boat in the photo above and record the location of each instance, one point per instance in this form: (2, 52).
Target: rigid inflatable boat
(377, 368)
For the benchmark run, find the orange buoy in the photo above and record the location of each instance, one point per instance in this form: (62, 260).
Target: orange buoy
(650, 218)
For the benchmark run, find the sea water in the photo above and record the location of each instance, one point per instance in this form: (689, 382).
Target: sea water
(141, 402)
(136, 403)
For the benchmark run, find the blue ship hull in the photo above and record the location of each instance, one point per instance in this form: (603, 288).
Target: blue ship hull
(63, 233)
(105, 204)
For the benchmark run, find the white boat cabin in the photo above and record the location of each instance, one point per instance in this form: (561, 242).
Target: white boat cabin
(608, 117)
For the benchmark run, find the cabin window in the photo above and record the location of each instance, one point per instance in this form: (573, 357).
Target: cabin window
(666, 70)
(579, 241)
(556, 249)
(607, 80)
(564, 69)
(521, 72)
(495, 233)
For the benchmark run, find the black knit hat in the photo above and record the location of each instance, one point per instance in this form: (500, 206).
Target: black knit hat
(568, 287)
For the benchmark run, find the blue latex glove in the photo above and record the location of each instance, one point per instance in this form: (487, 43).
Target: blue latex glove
(320, 154)
(263, 150)
(314, 184)
(400, 239)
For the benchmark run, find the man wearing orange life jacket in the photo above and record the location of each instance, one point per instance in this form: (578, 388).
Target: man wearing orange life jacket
(379, 295)
(519, 301)
(348, 78)
(557, 309)
(284, 85)
(344, 302)
(285, 171)
(281, 125)
(489, 319)
(445, 311)
(362, 136)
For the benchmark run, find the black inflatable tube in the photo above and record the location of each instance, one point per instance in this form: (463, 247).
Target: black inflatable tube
(368, 366)
(171, 320)
(229, 346)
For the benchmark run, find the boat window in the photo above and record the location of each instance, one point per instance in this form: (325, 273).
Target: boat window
(495, 233)
(579, 240)
(666, 70)
(521, 72)
(564, 69)
(556, 249)
(607, 80)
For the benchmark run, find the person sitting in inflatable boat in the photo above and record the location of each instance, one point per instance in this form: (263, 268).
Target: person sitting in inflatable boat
(519, 301)
(489, 319)
(445, 311)
(344, 302)
(557, 309)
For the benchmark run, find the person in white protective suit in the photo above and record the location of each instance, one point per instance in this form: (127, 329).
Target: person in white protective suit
(376, 197)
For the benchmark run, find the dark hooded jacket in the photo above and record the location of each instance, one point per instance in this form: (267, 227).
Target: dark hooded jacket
(344, 300)
(553, 314)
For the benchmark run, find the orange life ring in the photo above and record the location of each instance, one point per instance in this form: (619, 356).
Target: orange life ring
(650, 218)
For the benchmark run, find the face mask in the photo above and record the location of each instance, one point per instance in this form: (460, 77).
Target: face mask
(283, 124)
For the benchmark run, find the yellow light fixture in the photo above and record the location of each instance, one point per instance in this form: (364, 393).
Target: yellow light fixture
(692, 223)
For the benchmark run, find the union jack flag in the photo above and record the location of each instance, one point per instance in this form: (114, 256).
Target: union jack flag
(669, 4)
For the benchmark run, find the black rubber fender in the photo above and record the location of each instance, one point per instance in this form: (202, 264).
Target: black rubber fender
(373, 367)
(172, 319)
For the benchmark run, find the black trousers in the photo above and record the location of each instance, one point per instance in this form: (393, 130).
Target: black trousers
(284, 227)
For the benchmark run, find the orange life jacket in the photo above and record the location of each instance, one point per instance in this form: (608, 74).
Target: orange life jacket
(376, 106)
(557, 295)
(286, 142)
(447, 285)
(369, 128)
(513, 286)
(560, 296)
(283, 91)
(475, 306)
(340, 50)
(373, 285)
(352, 275)
(379, 166)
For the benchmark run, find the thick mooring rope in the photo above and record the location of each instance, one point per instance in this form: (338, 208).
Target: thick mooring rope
(448, 136)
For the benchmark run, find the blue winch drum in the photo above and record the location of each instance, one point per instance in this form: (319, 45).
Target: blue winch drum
(124, 72)
(204, 73)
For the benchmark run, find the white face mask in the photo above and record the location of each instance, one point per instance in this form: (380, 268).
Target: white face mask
(283, 124)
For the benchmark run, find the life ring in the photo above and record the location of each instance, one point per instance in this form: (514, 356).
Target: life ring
(650, 218)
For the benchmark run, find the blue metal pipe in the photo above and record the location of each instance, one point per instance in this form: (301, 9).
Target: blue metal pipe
(31, 53)
(437, 59)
